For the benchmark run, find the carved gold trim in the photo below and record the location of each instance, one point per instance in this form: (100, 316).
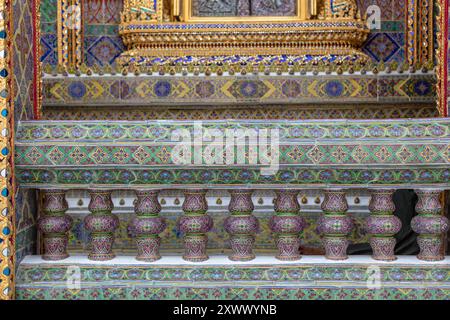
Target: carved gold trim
(59, 32)
(426, 37)
(7, 187)
(442, 58)
(339, 31)
(244, 41)
(419, 35)
(69, 38)
(38, 62)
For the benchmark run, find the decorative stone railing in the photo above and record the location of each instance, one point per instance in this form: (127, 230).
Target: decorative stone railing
(397, 154)
(286, 225)
(381, 156)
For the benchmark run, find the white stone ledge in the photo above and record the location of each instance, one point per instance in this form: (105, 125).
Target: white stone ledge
(222, 260)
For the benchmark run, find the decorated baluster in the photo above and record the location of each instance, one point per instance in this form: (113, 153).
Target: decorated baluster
(55, 224)
(430, 225)
(147, 225)
(382, 225)
(287, 225)
(195, 223)
(102, 224)
(241, 225)
(335, 224)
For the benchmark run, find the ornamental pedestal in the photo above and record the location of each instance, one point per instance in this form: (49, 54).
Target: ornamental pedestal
(382, 225)
(287, 225)
(430, 225)
(55, 224)
(335, 225)
(147, 225)
(241, 225)
(195, 224)
(102, 224)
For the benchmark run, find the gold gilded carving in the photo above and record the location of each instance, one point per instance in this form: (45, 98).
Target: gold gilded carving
(325, 28)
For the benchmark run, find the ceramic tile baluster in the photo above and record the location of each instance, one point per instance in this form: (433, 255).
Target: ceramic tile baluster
(287, 225)
(382, 225)
(335, 224)
(241, 225)
(195, 224)
(55, 224)
(430, 225)
(147, 225)
(102, 224)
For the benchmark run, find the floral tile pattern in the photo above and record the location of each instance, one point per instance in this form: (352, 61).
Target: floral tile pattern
(156, 90)
(102, 43)
(265, 282)
(375, 152)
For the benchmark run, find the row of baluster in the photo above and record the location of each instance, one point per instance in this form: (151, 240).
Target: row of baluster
(286, 224)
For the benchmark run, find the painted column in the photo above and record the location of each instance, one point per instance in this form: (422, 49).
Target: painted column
(287, 225)
(335, 224)
(147, 225)
(55, 224)
(241, 225)
(195, 224)
(430, 225)
(102, 224)
(382, 225)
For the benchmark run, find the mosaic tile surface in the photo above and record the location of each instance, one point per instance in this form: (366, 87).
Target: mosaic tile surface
(49, 44)
(265, 282)
(311, 152)
(22, 56)
(300, 112)
(26, 231)
(156, 90)
(231, 293)
(102, 43)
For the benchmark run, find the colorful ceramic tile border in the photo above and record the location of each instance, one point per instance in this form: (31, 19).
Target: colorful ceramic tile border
(231, 178)
(7, 230)
(279, 112)
(262, 282)
(147, 90)
(291, 153)
(356, 153)
(34, 132)
(231, 292)
(44, 273)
